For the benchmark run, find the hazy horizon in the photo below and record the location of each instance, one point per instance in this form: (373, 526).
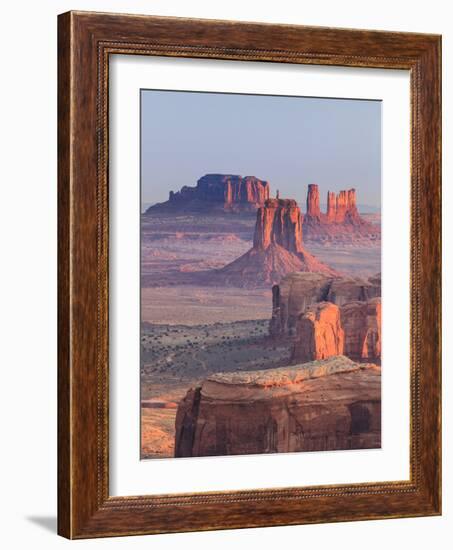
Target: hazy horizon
(288, 141)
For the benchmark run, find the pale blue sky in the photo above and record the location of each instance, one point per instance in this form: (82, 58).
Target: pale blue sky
(289, 141)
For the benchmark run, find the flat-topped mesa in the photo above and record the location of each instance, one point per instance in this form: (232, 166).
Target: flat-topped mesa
(279, 222)
(318, 406)
(313, 210)
(219, 191)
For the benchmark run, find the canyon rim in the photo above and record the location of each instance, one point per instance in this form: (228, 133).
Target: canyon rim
(260, 274)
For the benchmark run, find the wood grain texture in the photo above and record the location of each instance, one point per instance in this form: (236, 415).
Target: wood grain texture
(85, 42)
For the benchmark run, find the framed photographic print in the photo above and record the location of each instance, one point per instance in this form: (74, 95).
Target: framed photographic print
(249, 275)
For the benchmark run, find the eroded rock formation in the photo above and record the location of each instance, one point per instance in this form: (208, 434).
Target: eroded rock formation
(279, 222)
(326, 330)
(361, 322)
(319, 333)
(313, 210)
(324, 405)
(277, 248)
(341, 222)
(217, 191)
(297, 291)
(331, 214)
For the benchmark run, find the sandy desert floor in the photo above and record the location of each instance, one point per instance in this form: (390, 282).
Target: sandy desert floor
(177, 357)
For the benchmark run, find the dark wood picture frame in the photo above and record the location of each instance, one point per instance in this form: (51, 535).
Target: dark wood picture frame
(85, 42)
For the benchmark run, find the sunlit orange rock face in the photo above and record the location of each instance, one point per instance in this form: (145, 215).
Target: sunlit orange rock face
(342, 206)
(277, 249)
(319, 406)
(331, 207)
(313, 210)
(279, 222)
(326, 330)
(320, 334)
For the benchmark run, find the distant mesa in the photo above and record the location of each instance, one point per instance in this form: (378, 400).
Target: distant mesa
(277, 248)
(215, 192)
(341, 221)
(318, 406)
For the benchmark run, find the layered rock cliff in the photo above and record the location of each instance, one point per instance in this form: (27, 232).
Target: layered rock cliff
(324, 405)
(217, 192)
(297, 291)
(341, 222)
(277, 248)
(326, 330)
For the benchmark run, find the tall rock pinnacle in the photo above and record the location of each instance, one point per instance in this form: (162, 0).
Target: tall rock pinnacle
(341, 222)
(279, 222)
(342, 205)
(313, 211)
(277, 248)
(331, 206)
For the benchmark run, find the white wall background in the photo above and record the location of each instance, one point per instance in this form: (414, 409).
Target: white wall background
(28, 125)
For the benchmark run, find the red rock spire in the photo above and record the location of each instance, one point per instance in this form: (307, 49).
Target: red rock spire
(331, 206)
(313, 210)
(342, 205)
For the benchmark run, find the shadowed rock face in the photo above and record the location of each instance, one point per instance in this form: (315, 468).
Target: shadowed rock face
(297, 291)
(218, 191)
(362, 329)
(277, 249)
(319, 406)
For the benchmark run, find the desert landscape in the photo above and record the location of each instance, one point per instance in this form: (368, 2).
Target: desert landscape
(261, 321)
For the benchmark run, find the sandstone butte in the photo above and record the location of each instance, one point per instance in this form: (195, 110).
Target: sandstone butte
(215, 192)
(297, 291)
(324, 405)
(327, 330)
(277, 248)
(341, 222)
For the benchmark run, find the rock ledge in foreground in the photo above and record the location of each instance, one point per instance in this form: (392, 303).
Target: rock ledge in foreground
(319, 406)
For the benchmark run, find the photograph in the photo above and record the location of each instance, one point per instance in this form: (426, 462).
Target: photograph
(260, 284)
(225, 275)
